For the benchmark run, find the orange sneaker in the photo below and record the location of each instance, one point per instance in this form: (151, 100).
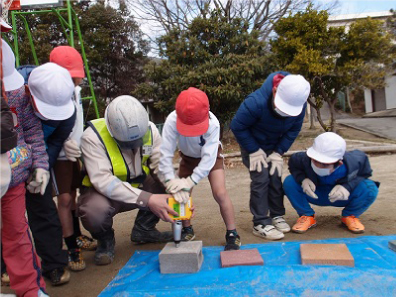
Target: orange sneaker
(304, 223)
(353, 224)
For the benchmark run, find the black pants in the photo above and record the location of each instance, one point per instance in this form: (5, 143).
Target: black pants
(266, 193)
(46, 229)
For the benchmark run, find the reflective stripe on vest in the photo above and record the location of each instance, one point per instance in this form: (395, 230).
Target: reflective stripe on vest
(119, 167)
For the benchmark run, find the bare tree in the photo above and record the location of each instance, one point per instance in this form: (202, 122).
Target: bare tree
(165, 15)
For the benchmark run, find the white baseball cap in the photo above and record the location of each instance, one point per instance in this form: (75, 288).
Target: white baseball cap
(12, 79)
(52, 87)
(327, 148)
(291, 94)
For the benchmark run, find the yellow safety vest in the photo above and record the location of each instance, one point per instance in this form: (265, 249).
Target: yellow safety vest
(119, 167)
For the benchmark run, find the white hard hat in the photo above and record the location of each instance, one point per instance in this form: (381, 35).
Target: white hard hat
(11, 77)
(291, 94)
(327, 148)
(52, 87)
(127, 121)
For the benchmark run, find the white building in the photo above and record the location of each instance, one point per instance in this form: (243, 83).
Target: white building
(380, 99)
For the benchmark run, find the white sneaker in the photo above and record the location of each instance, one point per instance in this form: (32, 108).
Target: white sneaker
(280, 224)
(268, 232)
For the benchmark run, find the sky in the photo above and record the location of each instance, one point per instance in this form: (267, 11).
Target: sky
(362, 6)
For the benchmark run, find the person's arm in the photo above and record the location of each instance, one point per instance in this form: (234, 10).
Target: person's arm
(168, 146)
(290, 136)
(9, 136)
(155, 153)
(208, 155)
(57, 138)
(246, 116)
(296, 167)
(33, 134)
(99, 169)
(364, 172)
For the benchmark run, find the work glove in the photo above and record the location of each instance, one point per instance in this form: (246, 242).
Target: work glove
(174, 185)
(38, 181)
(309, 188)
(154, 166)
(338, 193)
(258, 161)
(72, 150)
(276, 161)
(184, 195)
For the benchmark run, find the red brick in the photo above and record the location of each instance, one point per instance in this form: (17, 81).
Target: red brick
(241, 258)
(326, 254)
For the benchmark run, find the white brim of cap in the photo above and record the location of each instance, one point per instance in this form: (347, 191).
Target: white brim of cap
(320, 157)
(13, 81)
(56, 113)
(287, 108)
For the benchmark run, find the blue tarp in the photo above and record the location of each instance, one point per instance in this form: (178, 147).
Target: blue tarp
(374, 273)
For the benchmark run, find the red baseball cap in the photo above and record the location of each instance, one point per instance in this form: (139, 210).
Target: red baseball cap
(68, 58)
(4, 26)
(192, 109)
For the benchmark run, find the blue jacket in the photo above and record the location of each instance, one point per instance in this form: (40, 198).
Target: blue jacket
(55, 132)
(256, 125)
(357, 169)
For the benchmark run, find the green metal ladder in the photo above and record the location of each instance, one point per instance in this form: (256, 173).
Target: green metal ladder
(66, 25)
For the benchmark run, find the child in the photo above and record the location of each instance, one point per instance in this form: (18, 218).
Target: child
(67, 168)
(51, 88)
(23, 264)
(265, 126)
(326, 175)
(196, 131)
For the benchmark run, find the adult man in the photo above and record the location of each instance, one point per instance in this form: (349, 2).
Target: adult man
(118, 152)
(265, 126)
(326, 175)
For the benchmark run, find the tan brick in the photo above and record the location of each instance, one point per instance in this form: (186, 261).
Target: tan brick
(326, 254)
(241, 258)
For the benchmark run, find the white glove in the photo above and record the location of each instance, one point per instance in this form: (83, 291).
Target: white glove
(188, 184)
(338, 193)
(183, 195)
(258, 160)
(174, 185)
(277, 163)
(154, 166)
(72, 150)
(309, 188)
(39, 181)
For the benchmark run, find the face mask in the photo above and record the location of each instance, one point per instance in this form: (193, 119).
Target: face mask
(40, 116)
(321, 171)
(281, 113)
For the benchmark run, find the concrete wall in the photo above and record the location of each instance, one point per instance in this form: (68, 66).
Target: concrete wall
(382, 103)
(368, 101)
(390, 92)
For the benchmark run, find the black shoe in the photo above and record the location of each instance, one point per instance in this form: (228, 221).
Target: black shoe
(58, 276)
(104, 253)
(187, 233)
(233, 241)
(141, 236)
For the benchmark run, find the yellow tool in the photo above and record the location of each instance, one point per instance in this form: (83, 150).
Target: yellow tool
(184, 211)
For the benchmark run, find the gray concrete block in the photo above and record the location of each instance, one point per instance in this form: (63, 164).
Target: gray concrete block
(187, 258)
(392, 245)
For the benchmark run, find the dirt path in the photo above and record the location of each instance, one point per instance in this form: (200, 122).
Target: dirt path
(379, 220)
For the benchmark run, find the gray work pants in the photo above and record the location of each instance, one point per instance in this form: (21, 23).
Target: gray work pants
(266, 193)
(97, 211)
